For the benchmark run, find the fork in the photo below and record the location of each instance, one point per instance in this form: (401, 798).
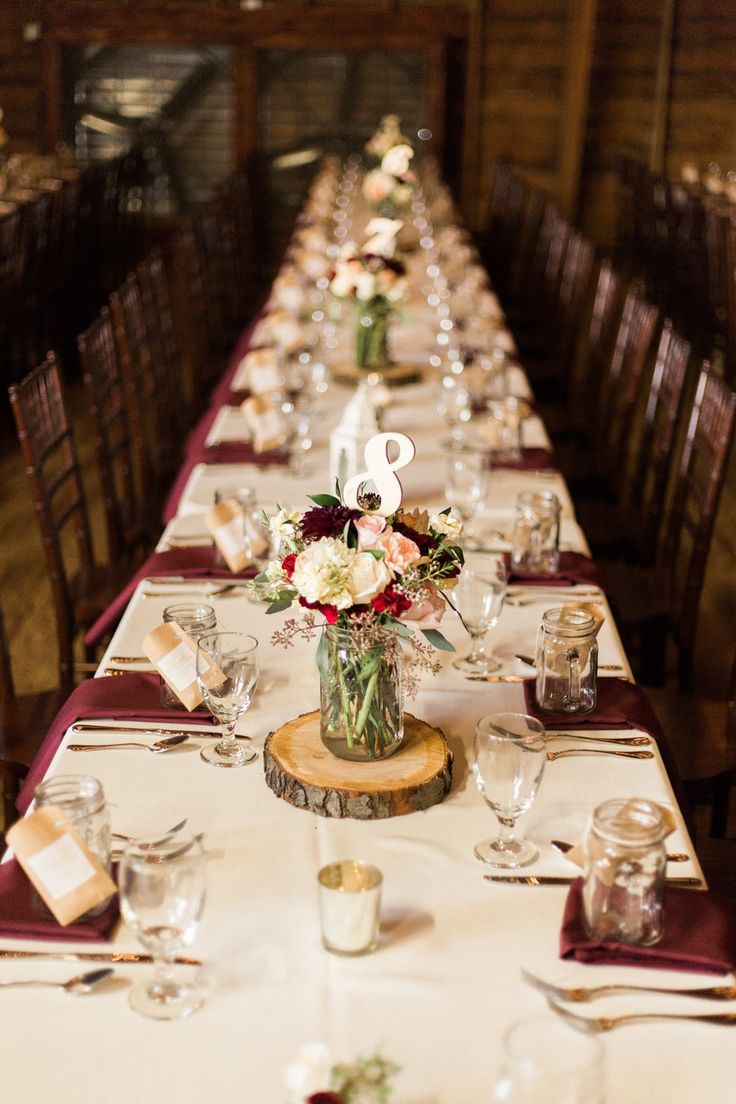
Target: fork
(582, 994)
(552, 755)
(628, 741)
(593, 1025)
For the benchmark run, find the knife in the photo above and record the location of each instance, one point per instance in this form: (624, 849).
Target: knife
(496, 678)
(97, 956)
(559, 880)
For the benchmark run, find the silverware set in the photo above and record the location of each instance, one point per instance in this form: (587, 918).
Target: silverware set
(597, 1024)
(158, 747)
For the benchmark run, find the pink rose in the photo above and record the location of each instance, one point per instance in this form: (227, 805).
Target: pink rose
(400, 550)
(426, 612)
(369, 529)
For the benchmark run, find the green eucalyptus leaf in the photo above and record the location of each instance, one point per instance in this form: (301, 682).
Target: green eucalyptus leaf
(324, 500)
(278, 605)
(437, 640)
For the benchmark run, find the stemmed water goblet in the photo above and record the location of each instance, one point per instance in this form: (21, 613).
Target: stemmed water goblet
(162, 892)
(508, 764)
(478, 600)
(454, 405)
(227, 673)
(465, 488)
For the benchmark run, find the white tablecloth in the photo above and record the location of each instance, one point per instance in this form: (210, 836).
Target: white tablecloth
(445, 982)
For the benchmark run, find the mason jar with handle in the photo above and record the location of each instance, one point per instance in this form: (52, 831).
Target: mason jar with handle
(567, 661)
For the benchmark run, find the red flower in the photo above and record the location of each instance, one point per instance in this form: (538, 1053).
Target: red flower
(391, 601)
(326, 521)
(329, 613)
(287, 564)
(325, 1098)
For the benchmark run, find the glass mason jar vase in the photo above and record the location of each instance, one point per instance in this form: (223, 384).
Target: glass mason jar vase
(361, 692)
(371, 335)
(625, 861)
(195, 620)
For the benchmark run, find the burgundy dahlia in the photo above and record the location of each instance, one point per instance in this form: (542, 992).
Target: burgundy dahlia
(326, 521)
(325, 1098)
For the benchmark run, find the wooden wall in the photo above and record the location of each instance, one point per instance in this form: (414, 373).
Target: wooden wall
(662, 87)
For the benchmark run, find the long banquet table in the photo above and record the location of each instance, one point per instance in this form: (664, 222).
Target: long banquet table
(444, 984)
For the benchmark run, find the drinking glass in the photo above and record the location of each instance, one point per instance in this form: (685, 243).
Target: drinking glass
(478, 599)
(235, 655)
(546, 1063)
(162, 892)
(454, 405)
(465, 488)
(508, 764)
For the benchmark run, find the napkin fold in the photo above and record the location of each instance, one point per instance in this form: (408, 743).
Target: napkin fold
(532, 459)
(574, 568)
(620, 704)
(699, 935)
(132, 697)
(191, 563)
(21, 918)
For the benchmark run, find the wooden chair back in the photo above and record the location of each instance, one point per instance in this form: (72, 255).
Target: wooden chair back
(645, 480)
(159, 319)
(108, 408)
(594, 348)
(624, 381)
(698, 482)
(50, 456)
(146, 384)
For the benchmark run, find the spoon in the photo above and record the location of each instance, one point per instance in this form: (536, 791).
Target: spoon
(168, 743)
(552, 755)
(79, 985)
(531, 662)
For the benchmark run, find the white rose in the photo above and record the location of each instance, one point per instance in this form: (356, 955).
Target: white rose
(369, 576)
(447, 524)
(365, 286)
(396, 161)
(285, 523)
(309, 1074)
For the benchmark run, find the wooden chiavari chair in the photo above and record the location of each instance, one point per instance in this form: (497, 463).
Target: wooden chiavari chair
(660, 605)
(200, 314)
(159, 318)
(132, 515)
(81, 588)
(630, 527)
(148, 390)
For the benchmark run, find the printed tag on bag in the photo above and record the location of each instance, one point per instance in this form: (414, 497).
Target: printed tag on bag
(265, 422)
(174, 655)
(226, 523)
(68, 877)
(259, 371)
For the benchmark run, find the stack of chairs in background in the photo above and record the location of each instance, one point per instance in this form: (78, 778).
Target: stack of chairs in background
(631, 359)
(148, 357)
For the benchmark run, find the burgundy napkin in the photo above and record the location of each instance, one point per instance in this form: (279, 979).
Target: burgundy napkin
(532, 459)
(132, 697)
(574, 568)
(620, 704)
(699, 935)
(21, 918)
(192, 563)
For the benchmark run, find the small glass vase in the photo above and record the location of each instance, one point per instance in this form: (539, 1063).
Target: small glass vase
(361, 692)
(371, 336)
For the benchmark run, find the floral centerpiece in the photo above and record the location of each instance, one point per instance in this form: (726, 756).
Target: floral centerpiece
(387, 134)
(315, 1079)
(374, 579)
(390, 187)
(374, 281)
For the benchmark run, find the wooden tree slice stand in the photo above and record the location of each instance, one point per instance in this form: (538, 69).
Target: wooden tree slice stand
(396, 374)
(301, 770)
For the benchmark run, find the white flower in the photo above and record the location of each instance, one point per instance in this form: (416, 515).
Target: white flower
(377, 186)
(370, 576)
(285, 523)
(309, 1074)
(323, 572)
(275, 573)
(365, 286)
(447, 524)
(396, 161)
